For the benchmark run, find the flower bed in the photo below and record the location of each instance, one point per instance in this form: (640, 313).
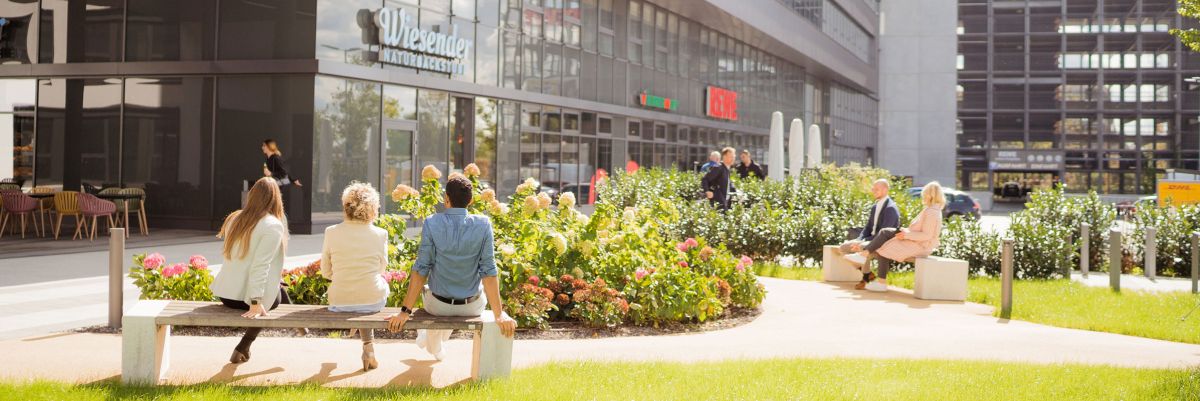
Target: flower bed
(621, 265)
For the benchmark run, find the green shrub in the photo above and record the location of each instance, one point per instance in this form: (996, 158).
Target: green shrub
(1174, 225)
(305, 285)
(967, 240)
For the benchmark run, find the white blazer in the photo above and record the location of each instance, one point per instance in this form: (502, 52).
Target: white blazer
(257, 274)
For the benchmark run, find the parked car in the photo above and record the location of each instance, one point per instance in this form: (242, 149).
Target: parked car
(958, 203)
(1129, 208)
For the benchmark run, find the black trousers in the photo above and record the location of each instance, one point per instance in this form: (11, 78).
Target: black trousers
(252, 332)
(877, 242)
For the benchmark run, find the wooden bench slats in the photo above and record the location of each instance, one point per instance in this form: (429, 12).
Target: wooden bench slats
(193, 313)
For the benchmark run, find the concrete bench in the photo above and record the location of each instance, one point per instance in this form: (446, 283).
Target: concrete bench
(146, 336)
(943, 279)
(836, 269)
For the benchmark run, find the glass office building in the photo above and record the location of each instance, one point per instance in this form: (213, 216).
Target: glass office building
(1089, 93)
(176, 96)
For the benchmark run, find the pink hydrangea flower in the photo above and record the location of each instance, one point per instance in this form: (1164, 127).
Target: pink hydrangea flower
(534, 280)
(174, 270)
(640, 273)
(744, 262)
(153, 261)
(691, 243)
(198, 262)
(683, 264)
(682, 247)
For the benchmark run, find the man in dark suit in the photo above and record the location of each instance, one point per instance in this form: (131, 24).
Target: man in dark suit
(882, 214)
(716, 182)
(748, 167)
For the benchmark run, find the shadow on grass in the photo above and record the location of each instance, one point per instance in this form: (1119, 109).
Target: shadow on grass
(114, 390)
(226, 375)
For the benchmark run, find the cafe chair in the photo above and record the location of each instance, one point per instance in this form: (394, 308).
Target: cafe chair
(138, 206)
(66, 203)
(93, 207)
(45, 205)
(19, 204)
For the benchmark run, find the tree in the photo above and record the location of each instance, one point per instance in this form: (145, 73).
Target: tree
(1191, 36)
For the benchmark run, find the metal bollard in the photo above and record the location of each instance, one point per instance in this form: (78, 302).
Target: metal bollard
(1085, 254)
(116, 276)
(1151, 252)
(1195, 261)
(1006, 278)
(1114, 259)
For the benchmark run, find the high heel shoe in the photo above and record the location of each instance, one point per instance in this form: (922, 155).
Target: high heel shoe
(239, 356)
(368, 357)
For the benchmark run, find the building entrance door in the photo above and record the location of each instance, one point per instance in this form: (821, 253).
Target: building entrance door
(398, 163)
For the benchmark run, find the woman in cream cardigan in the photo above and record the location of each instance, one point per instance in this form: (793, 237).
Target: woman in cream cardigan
(353, 258)
(255, 243)
(919, 239)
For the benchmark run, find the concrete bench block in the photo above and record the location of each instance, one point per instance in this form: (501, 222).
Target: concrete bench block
(836, 269)
(491, 355)
(940, 279)
(145, 344)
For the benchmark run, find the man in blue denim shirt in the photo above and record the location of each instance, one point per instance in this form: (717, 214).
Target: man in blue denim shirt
(456, 256)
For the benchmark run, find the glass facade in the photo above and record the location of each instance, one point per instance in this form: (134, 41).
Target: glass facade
(1097, 85)
(551, 89)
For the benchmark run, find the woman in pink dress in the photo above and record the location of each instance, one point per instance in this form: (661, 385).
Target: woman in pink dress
(919, 239)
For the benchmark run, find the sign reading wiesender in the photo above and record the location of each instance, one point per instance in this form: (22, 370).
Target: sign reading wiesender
(403, 44)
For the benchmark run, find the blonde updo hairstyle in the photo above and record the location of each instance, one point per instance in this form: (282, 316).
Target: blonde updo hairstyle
(360, 202)
(931, 195)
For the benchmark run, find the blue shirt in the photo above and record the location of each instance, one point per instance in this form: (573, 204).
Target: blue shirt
(456, 253)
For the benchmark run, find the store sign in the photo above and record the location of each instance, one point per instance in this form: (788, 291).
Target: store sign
(647, 100)
(403, 43)
(720, 103)
(1025, 160)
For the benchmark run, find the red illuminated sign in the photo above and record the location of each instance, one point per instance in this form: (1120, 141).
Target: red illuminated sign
(720, 103)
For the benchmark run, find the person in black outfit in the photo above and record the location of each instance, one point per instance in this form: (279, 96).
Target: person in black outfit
(748, 167)
(274, 167)
(716, 182)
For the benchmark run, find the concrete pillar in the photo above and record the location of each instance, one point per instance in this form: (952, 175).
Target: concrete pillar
(775, 162)
(796, 147)
(813, 153)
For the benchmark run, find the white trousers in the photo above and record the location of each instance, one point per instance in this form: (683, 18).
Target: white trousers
(436, 307)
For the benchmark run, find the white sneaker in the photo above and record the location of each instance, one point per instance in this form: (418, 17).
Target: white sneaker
(855, 259)
(422, 340)
(440, 355)
(876, 286)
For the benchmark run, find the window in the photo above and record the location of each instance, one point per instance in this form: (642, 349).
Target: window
(283, 29)
(16, 33)
(345, 132)
(95, 37)
(168, 144)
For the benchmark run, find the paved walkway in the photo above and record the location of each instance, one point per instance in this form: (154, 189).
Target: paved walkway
(799, 319)
(1135, 282)
(50, 307)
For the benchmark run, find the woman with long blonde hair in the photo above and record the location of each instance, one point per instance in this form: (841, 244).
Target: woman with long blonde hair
(919, 239)
(255, 245)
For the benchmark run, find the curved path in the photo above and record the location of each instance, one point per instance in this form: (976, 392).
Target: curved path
(799, 319)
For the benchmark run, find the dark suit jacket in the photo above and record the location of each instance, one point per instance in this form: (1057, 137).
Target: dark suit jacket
(717, 182)
(745, 171)
(888, 218)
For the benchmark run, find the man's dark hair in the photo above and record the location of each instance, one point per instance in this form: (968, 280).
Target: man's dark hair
(459, 191)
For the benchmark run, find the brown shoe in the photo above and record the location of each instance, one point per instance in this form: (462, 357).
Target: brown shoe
(862, 285)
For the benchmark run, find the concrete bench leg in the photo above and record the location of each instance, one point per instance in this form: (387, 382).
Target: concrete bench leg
(836, 269)
(144, 344)
(492, 353)
(940, 279)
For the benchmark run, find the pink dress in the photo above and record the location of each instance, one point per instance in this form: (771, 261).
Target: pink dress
(920, 240)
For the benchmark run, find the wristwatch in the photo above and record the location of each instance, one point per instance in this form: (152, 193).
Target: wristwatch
(254, 301)
(405, 309)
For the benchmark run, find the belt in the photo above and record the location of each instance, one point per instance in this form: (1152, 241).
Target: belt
(454, 301)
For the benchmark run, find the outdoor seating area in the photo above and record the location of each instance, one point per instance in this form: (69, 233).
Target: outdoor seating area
(43, 209)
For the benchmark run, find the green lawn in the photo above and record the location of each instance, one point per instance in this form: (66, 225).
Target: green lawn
(1067, 304)
(752, 380)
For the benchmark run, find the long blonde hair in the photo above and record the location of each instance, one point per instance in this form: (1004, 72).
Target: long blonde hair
(932, 195)
(273, 147)
(264, 199)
